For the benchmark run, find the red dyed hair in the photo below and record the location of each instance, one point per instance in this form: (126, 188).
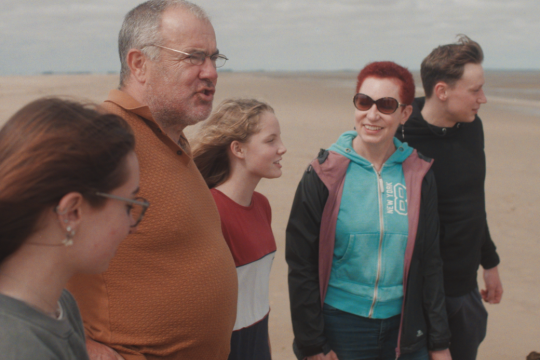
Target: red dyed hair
(390, 70)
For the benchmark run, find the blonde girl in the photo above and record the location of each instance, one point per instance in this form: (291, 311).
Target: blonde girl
(238, 146)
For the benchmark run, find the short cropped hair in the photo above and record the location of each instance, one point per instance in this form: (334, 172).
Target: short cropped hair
(142, 27)
(52, 147)
(446, 63)
(390, 70)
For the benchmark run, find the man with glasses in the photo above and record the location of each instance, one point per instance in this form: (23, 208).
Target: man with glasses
(171, 290)
(444, 126)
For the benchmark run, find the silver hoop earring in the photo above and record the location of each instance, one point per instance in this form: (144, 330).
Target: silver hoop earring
(60, 212)
(70, 233)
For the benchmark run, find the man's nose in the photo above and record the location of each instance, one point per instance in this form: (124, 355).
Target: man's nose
(208, 70)
(482, 99)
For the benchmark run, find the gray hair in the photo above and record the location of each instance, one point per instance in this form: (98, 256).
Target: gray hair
(142, 27)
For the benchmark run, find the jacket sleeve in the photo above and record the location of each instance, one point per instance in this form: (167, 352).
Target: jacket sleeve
(489, 258)
(433, 291)
(302, 255)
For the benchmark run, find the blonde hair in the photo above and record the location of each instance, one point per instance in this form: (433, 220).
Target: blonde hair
(233, 120)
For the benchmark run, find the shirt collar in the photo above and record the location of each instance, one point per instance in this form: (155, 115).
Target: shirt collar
(127, 102)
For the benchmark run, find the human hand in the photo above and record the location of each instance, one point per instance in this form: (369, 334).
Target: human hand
(493, 292)
(440, 355)
(98, 351)
(330, 356)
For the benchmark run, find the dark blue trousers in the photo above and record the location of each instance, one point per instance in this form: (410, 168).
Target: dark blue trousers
(467, 318)
(355, 337)
(251, 343)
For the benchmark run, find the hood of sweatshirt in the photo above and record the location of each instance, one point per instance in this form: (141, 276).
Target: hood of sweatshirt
(343, 146)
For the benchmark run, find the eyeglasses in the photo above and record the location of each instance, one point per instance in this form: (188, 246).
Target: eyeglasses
(386, 105)
(136, 207)
(199, 57)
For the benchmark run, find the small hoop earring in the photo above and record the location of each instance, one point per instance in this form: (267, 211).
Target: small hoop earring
(70, 233)
(403, 131)
(60, 212)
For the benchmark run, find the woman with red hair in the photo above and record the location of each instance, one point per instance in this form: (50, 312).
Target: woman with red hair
(365, 273)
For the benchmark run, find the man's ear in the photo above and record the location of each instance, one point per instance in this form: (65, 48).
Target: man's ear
(69, 210)
(406, 113)
(137, 63)
(237, 149)
(440, 90)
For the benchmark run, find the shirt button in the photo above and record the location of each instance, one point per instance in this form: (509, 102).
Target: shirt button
(348, 150)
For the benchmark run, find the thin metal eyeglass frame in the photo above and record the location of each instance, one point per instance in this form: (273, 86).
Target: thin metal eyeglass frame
(137, 201)
(190, 56)
(377, 105)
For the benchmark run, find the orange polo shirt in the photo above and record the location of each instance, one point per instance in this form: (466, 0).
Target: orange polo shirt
(170, 291)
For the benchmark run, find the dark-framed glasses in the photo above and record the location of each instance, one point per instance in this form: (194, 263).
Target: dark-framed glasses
(199, 57)
(385, 105)
(135, 207)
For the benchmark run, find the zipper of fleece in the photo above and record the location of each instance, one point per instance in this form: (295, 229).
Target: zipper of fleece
(380, 191)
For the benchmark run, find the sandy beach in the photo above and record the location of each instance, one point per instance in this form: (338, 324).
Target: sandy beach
(314, 109)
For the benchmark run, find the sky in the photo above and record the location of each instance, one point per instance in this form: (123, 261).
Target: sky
(277, 35)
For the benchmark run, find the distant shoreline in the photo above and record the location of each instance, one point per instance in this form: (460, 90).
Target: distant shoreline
(518, 90)
(258, 71)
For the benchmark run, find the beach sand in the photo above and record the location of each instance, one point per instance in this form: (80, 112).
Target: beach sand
(314, 109)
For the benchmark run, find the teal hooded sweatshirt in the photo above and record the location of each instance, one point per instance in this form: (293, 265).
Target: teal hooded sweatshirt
(371, 235)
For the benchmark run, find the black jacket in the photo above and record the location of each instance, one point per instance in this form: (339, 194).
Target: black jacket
(424, 319)
(460, 172)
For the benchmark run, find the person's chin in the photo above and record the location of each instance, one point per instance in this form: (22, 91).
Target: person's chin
(272, 173)
(373, 138)
(199, 114)
(470, 118)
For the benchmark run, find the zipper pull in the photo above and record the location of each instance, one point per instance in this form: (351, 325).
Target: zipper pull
(381, 185)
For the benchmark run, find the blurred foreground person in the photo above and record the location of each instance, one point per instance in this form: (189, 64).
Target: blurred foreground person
(171, 290)
(362, 244)
(238, 146)
(68, 185)
(445, 126)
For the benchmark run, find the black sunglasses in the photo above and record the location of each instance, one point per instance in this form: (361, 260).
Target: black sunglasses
(385, 105)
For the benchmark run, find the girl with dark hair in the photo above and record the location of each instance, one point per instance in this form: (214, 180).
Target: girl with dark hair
(238, 146)
(365, 273)
(68, 184)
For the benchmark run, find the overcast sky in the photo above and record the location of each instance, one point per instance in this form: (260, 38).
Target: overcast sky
(81, 35)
